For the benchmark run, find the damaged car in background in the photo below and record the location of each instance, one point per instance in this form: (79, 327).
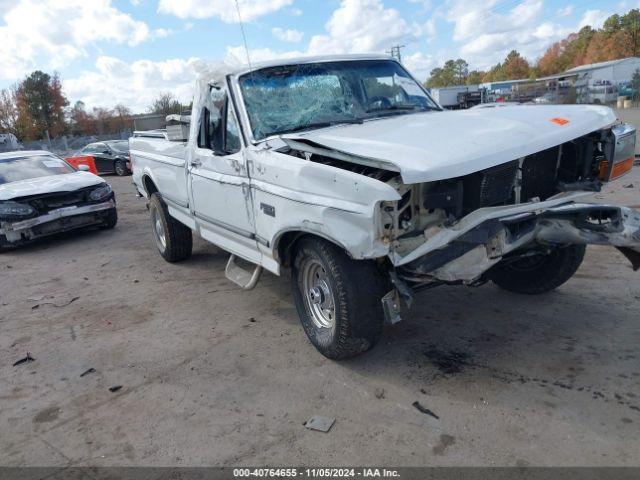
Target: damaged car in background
(345, 172)
(41, 194)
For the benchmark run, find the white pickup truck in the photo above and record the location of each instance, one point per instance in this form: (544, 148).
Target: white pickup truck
(344, 171)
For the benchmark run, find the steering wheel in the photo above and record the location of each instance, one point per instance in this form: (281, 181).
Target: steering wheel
(379, 103)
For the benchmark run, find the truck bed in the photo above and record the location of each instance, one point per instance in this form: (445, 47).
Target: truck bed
(163, 161)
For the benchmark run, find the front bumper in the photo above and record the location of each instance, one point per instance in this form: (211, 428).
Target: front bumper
(464, 252)
(60, 220)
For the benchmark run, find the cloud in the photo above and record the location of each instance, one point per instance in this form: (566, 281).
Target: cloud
(356, 26)
(359, 26)
(134, 84)
(426, 30)
(419, 64)
(593, 18)
(48, 34)
(487, 32)
(565, 11)
(288, 35)
(483, 35)
(225, 10)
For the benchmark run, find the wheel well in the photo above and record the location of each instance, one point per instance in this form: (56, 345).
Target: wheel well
(148, 185)
(286, 243)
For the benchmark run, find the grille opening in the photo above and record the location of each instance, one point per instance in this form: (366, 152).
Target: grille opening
(490, 187)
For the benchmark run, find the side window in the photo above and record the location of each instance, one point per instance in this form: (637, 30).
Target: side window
(218, 127)
(232, 134)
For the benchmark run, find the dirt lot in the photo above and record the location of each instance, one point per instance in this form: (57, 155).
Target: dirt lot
(212, 375)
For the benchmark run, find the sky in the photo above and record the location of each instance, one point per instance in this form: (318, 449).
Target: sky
(128, 51)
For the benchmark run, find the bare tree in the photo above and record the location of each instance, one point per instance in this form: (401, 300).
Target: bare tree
(166, 104)
(8, 111)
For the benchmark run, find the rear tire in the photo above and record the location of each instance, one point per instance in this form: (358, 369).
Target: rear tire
(120, 167)
(338, 299)
(173, 239)
(539, 274)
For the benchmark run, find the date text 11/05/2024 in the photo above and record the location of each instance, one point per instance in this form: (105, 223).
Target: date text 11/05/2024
(316, 472)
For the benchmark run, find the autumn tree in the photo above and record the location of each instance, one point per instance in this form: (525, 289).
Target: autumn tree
(515, 66)
(630, 24)
(40, 106)
(474, 77)
(619, 37)
(494, 74)
(552, 61)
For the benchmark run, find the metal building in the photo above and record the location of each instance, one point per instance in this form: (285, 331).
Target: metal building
(612, 72)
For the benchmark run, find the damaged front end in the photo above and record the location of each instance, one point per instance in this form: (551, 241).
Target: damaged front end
(26, 218)
(456, 231)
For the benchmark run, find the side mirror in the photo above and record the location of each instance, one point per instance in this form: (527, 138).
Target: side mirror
(212, 130)
(83, 168)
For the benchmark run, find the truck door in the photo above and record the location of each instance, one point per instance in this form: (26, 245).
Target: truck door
(220, 194)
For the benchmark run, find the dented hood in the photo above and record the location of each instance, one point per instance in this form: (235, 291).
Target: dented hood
(49, 184)
(431, 146)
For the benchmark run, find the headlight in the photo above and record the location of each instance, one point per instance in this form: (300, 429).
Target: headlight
(100, 193)
(15, 210)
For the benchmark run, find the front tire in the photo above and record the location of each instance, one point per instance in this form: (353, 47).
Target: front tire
(540, 273)
(173, 239)
(4, 244)
(120, 167)
(111, 220)
(338, 299)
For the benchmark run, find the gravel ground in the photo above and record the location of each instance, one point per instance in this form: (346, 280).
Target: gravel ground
(212, 375)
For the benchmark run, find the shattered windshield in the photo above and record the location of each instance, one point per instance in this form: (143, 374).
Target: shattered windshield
(297, 97)
(25, 168)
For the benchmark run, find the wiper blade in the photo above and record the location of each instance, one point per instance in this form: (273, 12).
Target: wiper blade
(310, 126)
(398, 109)
(393, 107)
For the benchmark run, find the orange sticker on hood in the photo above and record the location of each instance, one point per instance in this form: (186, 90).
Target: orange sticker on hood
(560, 120)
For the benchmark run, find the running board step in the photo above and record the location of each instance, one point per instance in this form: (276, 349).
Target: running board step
(241, 277)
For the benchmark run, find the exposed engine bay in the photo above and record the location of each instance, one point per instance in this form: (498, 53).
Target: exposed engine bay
(576, 166)
(455, 230)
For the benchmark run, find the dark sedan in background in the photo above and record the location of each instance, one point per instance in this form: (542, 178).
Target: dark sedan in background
(111, 156)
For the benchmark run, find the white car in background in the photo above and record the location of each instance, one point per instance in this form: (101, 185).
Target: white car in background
(41, 194)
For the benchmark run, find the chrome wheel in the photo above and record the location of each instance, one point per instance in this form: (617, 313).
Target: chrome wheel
(158, 230)
(318, 294)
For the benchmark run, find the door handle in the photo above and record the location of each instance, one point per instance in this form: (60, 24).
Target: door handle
(195, 162)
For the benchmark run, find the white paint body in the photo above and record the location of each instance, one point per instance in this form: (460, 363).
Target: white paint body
(246, 202)
(438, 145)
(14, 231)
(50, 184)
